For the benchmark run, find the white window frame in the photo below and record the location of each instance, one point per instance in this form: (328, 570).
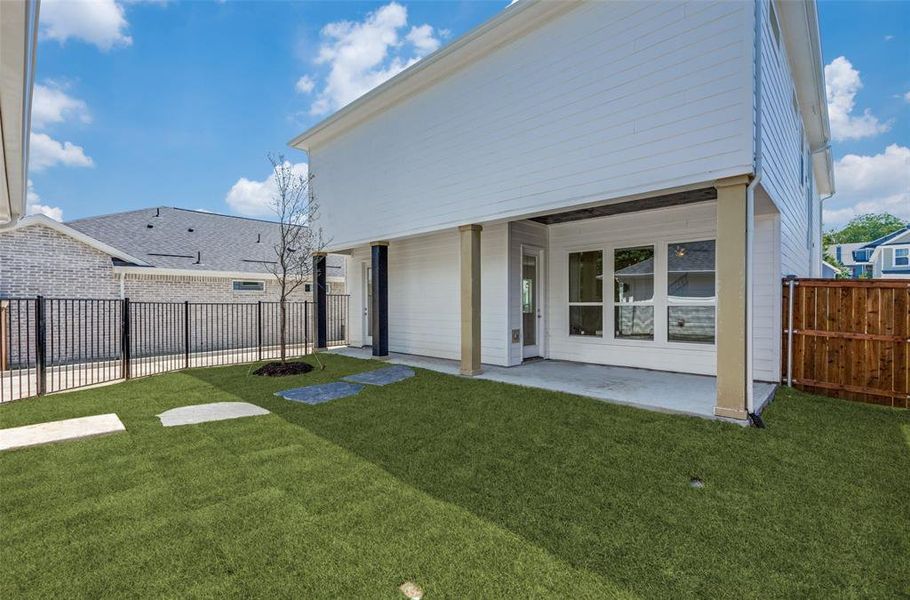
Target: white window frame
(688, 302)
(906, 256)
(601, 304)
(655, 246)
(234, 289)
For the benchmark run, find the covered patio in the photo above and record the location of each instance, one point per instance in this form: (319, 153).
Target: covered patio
(663, 391)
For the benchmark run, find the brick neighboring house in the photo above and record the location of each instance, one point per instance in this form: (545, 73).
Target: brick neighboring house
(154, 254)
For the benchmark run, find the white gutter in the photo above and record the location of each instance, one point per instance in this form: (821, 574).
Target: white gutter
(750, 206)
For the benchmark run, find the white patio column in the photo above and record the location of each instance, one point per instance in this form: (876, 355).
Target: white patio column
(731, 298)
(470, 299)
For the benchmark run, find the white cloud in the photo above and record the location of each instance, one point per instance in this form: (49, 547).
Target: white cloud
(98, 22)
(363, 54)
(842, 83)
(907, 96)
(870, 184)
(423, 39)
(50, 104)
(253, 198)
(34, 207)
(45, 151)
(889, 37)
(305, 85)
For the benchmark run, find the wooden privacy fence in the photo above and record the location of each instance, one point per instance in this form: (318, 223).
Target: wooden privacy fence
(850, 338)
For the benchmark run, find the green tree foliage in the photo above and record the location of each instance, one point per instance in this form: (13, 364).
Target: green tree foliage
(865, 228)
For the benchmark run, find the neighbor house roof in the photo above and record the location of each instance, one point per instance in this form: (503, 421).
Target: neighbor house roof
(893, 238)
(698, 257)
(176, 239)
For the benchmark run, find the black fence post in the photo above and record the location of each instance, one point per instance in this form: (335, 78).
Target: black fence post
(259, 328)
(40, 346)
(186, 334)
(125, 338)
(306, 326)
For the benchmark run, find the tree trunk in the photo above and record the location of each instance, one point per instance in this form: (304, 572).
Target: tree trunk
(282, 334)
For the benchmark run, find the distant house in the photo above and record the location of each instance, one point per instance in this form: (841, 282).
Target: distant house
(153, 254)
(857, 263)
(830, 271)
(888, 257)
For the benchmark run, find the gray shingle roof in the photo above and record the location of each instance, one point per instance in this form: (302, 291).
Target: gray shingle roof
(698, 256)
(174, 238)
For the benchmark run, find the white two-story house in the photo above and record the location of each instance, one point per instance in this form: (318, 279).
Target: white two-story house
(618, 183)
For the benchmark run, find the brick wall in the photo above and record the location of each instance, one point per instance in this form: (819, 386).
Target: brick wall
(38, 260)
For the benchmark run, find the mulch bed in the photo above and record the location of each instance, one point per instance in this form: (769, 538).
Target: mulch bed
(277, 369)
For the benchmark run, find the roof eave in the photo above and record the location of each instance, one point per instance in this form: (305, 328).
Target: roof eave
(18, 37)
(799, 22)
(79, 236)
(511, 23)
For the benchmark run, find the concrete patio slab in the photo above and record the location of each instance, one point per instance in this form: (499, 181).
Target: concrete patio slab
(214, 411)
(654, 390)
(383, 376)
(318, 394)
(58, 431)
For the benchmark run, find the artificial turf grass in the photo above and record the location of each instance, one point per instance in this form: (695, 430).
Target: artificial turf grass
(469, 488)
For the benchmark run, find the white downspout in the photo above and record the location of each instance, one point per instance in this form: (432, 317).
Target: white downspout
(750, 206)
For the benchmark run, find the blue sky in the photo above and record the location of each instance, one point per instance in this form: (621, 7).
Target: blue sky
(144, 103)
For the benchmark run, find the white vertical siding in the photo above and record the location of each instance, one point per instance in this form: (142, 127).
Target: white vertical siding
(424, 299)
(766, 296)
(782, 147)
(606, 100)
(659, 227)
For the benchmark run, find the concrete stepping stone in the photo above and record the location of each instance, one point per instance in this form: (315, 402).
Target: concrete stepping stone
(383, 376)
(58, 431)
(317, 394)
(214, 411)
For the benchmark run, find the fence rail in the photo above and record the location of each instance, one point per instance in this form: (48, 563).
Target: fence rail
(54, 344)
(850, 338)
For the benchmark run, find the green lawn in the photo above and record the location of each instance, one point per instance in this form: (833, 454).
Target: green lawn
(469, 488)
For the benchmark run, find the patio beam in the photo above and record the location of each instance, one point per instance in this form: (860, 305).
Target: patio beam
(731, 327)
(379, 252)
(470, 299)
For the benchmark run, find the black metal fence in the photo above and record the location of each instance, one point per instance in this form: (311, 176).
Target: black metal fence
(54, 344)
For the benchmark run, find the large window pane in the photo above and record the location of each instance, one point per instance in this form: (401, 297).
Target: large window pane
(690, 324)
(633, 269)
(634, 322)
(586, 320)
(586, 276)
(690, 270)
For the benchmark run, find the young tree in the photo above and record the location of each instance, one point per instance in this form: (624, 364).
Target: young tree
(298, 212)
(866, 228)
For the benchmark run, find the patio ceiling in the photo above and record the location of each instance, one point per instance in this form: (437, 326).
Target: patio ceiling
(604, 210)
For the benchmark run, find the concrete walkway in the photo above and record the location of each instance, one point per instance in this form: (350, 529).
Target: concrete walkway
(654, 390)
(205, 413)
(58, 431)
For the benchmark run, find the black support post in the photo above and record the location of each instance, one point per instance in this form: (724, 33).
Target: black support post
(40, 344)
(125, 339)
(319, 299)
(380, 271)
